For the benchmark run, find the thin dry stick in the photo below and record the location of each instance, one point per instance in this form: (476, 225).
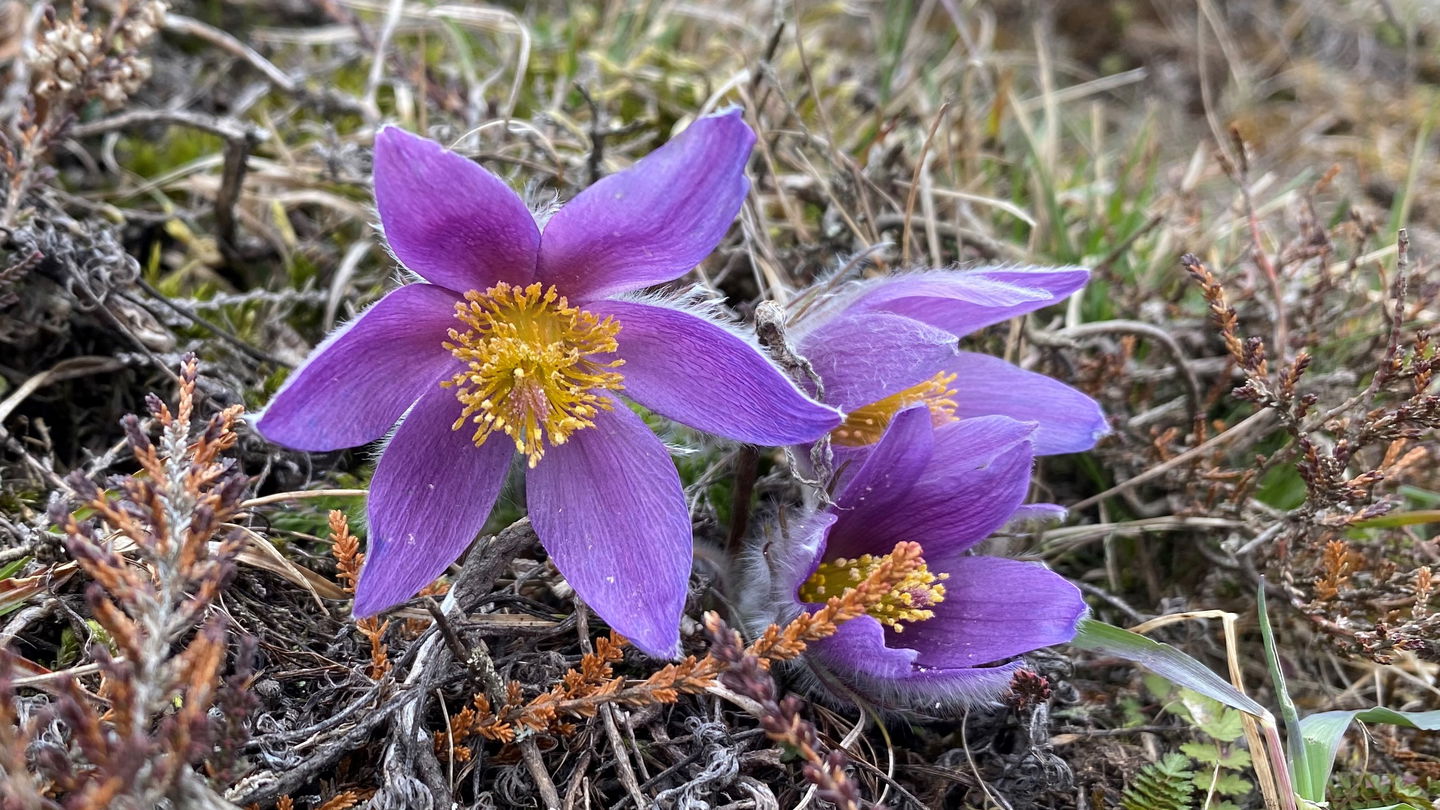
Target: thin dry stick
(278, 497)
(607, 717)
(1256, 421)
(915, 183)
(377, 64)
(1242, 178)
(63, 370)
(534, 763)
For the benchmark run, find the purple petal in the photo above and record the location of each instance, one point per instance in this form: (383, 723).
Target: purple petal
(654, 221)
(697, 373)
(449, 219)
(961, 302)
(608, 506)
(858, 648)
(1032, 515)
(1069, 421)
(796, 555)
(880, 486)
(858, 656)
(431, 493)
(357, 383)
(994, 609)
(979, 473)
(866, 357)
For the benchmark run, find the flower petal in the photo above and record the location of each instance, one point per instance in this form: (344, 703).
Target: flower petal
(696, 372)
(979, 472)
(609, 509)
(994, 609)
(655, 220)
(858, 648)
(359, 381)
(888, 676)
(431, 493)
(793, 559)
(866, 357)
(448, 218)
(880, 486)
(1069, 421)
(964, 301)
(1028, 517)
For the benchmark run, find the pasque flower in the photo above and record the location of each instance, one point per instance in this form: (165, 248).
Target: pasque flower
(947, 634)
(518, 341)
(887, 343)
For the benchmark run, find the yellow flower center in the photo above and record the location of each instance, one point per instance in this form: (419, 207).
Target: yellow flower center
(530, 368)
(909, 601)
(866, 424)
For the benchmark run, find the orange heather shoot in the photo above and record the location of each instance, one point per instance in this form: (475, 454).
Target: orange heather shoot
(908, 600)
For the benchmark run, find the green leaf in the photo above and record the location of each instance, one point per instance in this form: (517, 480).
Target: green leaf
(1213, 718)
(1298, 753)
(1236, 759)
(1321, 734)
(1395, 519)
(1131, 713)
(1165, 660)
(13, 567)
(1203, 752)
(1164, 785)
(1157, 686)
(1233, 784)
(1225, 784)
(69, 651)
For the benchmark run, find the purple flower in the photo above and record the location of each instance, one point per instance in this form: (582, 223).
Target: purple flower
(947, 634)
(887, 343)
(517, 342)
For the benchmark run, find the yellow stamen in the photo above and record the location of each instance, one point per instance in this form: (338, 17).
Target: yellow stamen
(866, 424)
(908, 601)
(531, 369)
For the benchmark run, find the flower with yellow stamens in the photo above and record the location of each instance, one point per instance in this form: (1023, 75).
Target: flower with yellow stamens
(883, 344)
(950, 633)
(516, 341)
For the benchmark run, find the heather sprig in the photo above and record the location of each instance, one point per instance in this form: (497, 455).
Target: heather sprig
(158, 550)
(506, 715)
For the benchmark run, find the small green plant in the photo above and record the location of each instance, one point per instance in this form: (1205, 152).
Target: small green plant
(1216, 761)
(1315, 739)
(1302, 776)
(1220, 758)
(1356, 791)
(1165, 785)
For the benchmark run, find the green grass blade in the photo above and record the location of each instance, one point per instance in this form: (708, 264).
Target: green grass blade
(1166, 661)
(1322, 732)
(1298, 766)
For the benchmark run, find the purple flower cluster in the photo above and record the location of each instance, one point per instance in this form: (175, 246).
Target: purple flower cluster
(941, 442)
(943, 636)
(525, 337)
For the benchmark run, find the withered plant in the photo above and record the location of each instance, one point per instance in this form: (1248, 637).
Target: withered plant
(348, 559)
(159, 548)
(73, 60)
(503, 714)
(1350, 455)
